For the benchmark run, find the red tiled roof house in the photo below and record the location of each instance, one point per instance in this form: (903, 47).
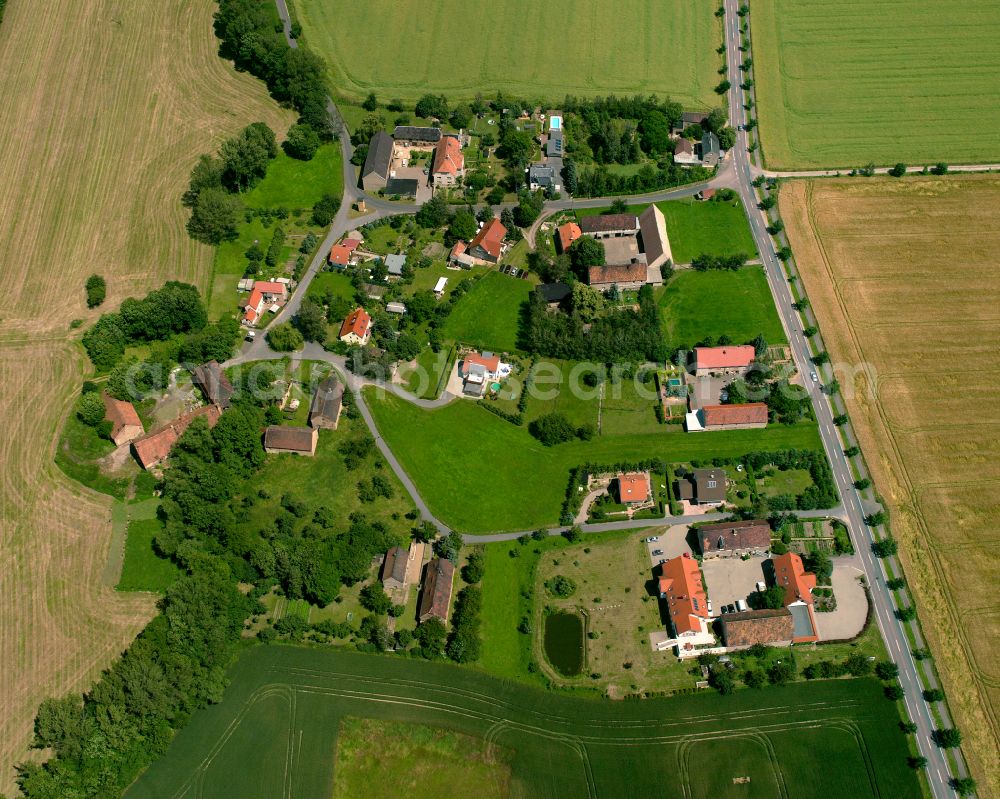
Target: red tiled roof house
(723, 360)
(357, 328)
(449, 163)
(125, 422)
(155, 448)
(435, 598)
(790, 574)
(734, 417)
(683, 591)
(633, 488)
(487, 245)
(567, 234)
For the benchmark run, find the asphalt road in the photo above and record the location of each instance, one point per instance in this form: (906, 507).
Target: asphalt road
(938, 772)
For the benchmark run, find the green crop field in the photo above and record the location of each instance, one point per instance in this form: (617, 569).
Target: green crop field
(841, 84)
(694, 227)
(737, 304)
(406, 48)
(276, 731)
(488, 316)
(462, 451)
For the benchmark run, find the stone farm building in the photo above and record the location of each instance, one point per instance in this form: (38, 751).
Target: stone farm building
(414, 136)
(655, 242)
(153, 449)
(769, 627)
(729, 360)
(748, 416)
(435, 598)
(213, 383)
(394, 569)
(734, 539)
(125, 422)
(624, 276)
(603, 226)
(375, 172)
(327, 403)
(296, 440)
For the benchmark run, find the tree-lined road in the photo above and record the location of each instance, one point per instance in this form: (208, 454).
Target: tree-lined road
(893, 634)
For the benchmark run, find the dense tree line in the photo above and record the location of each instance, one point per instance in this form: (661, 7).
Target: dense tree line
(617, 336)
(102, 740)
(464, 642)
(600, 182)
(175, 308)
(248, 35)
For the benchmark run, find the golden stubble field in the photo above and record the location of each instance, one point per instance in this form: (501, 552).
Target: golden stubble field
(905, 274)
(107, 104)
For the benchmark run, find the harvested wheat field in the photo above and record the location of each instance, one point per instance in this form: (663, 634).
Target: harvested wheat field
(106, 106)
(904, 274)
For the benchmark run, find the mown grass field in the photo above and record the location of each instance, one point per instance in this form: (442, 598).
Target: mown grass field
(143, 569)
(488, 316)
(106, 108)
(903, 277)
(276, 730)
(404, 48)
(694, 305)
(462, 451)
(841, 84)
(695, 227)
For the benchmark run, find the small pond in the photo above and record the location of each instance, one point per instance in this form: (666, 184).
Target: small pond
(564, 642)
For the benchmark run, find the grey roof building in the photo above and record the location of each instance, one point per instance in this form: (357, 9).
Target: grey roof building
(416, 134)
(542, 176)
(375, 172)
(394, 263)
(327, 403)
(404, 187)
(710, 149)
(554, 145)
(703, 486)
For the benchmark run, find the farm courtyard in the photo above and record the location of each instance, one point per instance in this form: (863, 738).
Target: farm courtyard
(903, 276)
(107, 106)
(527, 49)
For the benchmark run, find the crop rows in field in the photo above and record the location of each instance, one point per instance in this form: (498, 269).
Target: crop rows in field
(284, 704)
(841, 83)
(406, 48)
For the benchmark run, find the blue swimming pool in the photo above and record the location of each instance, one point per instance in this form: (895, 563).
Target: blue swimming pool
(555, 123)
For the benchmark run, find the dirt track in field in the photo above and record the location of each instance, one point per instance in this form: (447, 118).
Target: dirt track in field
(904, 274)
(106, 106)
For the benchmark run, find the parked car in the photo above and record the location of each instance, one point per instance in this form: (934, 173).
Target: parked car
(250, 335)
(741, 605)
(657, 551)
(652, 539)
(761, 586)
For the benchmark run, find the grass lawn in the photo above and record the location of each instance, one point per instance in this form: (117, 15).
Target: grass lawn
(380, 759)
(914, 82)
(461, 450)
(508, 47)
(614, 590)
(489, 316)
(790, 481)
(291, 184)
(324, 480)
(143, 569)
(336, 282)
(737, 304)
(629, 407)
(427, 377)
(295, 184)
(77, 452)
(283, 710)
(694, 227)
(552, 391)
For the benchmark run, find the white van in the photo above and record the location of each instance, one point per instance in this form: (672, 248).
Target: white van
(740, 605)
